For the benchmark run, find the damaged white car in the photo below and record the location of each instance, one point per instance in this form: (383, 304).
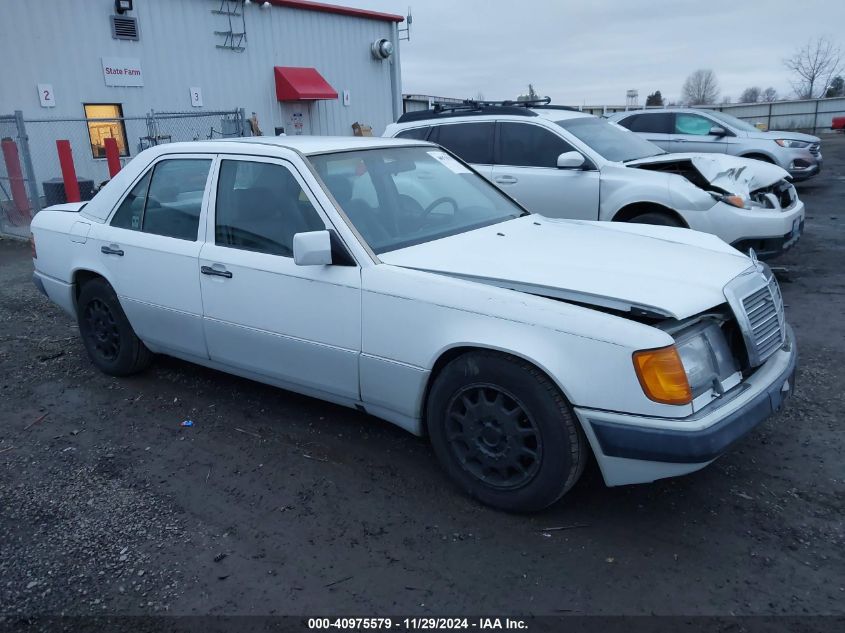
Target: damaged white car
(387, 276)
(562, 163)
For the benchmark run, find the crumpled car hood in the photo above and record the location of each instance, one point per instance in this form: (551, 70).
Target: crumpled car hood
(637, 268)
(729, 173)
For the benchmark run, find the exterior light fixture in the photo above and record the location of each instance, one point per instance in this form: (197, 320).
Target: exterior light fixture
(382, 49)
(122, 6)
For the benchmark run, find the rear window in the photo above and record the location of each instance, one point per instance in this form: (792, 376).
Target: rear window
(657, 123)
(417, 133)
(471, 141)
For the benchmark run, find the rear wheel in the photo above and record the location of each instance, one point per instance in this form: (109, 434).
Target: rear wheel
(108, 337)
(504, 433)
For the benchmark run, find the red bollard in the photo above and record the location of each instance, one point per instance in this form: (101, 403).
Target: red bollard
(68, 171)
(16, 181)
(112, 155)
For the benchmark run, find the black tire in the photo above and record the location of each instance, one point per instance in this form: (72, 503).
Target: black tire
(526, 450)
(656, 217)
(106, 333)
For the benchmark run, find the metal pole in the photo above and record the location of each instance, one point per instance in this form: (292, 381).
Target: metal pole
(23, 145)
(769, 122)
(816, 116)
(242, 115)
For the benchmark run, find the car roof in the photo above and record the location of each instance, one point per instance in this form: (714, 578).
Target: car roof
(549, 113)
(303, 144)
(657, 111)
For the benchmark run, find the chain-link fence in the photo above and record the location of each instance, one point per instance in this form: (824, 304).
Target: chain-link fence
(30, 171)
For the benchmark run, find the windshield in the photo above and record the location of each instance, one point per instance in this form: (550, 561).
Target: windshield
(609, 140)
(732, 121)
(400, 196)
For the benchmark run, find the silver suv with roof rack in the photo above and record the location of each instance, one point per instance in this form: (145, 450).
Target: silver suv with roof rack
(563, 163)
(686, 130)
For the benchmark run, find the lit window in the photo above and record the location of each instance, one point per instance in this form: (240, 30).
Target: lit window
(109, 125)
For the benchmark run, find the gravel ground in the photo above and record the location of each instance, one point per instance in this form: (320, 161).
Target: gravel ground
(274, 503)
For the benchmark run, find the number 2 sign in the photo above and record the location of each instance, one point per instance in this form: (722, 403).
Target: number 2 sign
(46, 96)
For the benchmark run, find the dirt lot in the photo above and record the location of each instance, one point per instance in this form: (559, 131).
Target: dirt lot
(273, 503)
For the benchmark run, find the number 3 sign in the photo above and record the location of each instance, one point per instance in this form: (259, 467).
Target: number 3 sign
(196, 97)
(46, 96)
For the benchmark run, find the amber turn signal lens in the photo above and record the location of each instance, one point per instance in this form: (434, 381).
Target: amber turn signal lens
(737, 201)
(662, 375)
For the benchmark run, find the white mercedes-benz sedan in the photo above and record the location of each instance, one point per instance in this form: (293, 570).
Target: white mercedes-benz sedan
(389, 276)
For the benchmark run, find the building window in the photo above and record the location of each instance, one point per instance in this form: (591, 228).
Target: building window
(105, 120)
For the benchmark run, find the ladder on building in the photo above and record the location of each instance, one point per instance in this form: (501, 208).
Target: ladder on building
(235, 36)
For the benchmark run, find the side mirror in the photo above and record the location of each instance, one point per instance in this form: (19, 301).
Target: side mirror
(570, 160)
(718, 130)
(312, 249)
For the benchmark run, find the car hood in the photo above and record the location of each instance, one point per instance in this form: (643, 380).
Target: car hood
(732, 174)
(776, 134)
(637, 268)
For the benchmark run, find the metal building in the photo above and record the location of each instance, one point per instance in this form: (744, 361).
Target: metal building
(301, 66)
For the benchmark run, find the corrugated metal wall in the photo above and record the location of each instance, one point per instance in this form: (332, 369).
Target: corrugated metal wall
(61, 42)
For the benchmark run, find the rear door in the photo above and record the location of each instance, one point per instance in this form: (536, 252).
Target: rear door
(472, 141)
(692, 134)
(150, 250)
(263, 313)
(657, 127)
(526, 168)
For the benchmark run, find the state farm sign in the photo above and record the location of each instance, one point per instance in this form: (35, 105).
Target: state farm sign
(122, 71)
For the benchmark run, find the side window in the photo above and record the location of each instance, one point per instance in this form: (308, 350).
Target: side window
(471, 141)
(657, 123)
(260, 207)
(527, 145)
(131, 210)
(174, 199)
(417, 133)
(692, 124)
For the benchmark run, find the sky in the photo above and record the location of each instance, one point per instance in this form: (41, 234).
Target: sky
(589, 52)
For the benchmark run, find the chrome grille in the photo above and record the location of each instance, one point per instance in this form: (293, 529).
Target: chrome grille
(758, 306)
(815, 148)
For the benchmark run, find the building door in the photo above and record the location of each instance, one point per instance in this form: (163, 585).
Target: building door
(297, 118)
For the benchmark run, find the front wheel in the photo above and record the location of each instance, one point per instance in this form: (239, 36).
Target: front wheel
(108, 337)
(656, 218)
(504, 433)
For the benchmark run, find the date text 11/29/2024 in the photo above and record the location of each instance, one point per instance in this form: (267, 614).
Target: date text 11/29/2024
(418, 624)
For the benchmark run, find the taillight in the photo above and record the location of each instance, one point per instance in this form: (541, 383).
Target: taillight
(32, 246)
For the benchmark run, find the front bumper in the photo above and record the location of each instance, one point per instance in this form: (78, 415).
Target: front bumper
(771, 247)
(811, 166)
(633, 449)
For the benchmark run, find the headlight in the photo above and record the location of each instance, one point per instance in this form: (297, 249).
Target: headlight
(699, 361)
(706, 357)
(732, 199)
(792, 143)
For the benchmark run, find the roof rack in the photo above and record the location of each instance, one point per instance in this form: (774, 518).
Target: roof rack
(473, 107)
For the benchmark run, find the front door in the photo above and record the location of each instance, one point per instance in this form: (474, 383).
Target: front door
(692, 134)
(262, 313)
(526, 169)
(150, 252)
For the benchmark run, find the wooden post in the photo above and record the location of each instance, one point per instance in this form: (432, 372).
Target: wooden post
(68, 171)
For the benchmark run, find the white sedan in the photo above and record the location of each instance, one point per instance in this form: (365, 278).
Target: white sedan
(388, 276)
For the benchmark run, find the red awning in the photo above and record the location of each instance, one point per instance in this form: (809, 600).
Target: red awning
(301, 84)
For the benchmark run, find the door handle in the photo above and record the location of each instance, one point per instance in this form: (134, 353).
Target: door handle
(208, 270)
(505, 180)
(681, 140)
(112, 249)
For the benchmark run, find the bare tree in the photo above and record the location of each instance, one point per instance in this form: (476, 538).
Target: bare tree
(813, 67)
(769, 94)
(750, 95)
(701, 87)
